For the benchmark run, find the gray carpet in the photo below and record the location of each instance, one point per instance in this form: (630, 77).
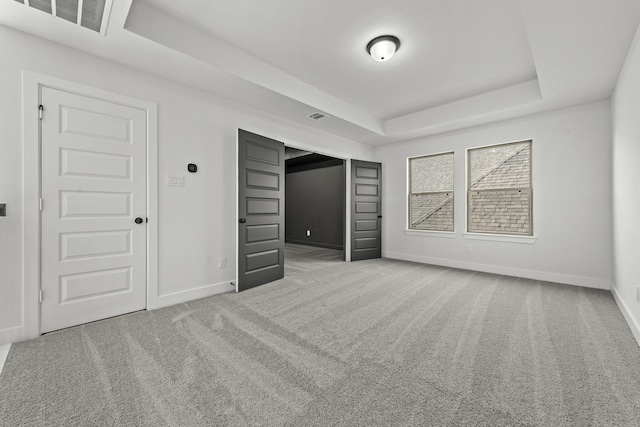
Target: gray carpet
(368, 343)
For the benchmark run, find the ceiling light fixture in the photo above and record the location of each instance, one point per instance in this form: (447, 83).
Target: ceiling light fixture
(383, 48)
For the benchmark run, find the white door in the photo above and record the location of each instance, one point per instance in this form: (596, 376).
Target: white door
(93, 190)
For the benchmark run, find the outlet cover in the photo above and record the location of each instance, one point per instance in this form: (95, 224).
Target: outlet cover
(222, 262)
(638, 293)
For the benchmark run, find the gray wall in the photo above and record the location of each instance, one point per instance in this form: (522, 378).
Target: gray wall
(314, 201)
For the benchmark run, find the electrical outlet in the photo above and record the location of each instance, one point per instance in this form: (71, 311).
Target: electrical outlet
(308, 233)
(222, 262)
(3, 209)
(175, 181)
(638, 293)
(469, 248)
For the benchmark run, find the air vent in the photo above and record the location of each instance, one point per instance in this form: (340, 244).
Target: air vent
(90, 14)
(316, 116)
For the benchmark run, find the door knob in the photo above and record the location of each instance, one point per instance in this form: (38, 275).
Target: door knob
(139, 220)
(243, 220)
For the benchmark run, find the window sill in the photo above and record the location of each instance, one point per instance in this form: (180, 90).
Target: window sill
(528, 240)
(430, 233)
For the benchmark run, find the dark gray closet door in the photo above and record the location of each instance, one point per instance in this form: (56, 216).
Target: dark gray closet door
(261, 210)
(366, 214)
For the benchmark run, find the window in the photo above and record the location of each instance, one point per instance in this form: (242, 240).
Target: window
(499, 189)
(431, 192)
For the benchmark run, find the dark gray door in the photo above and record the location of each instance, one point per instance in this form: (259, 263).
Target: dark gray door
(366, 218)
(261, 210)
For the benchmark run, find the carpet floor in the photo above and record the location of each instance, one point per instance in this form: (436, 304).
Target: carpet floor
(368, 343)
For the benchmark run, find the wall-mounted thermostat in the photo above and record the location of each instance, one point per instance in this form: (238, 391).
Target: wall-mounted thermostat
(192, 167)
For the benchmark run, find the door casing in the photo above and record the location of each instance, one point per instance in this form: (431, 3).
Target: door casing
(32, 84)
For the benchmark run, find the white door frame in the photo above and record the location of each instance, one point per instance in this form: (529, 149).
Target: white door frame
(32, 83)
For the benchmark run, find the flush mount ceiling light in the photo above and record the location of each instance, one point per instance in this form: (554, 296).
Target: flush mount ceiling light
(383, 48)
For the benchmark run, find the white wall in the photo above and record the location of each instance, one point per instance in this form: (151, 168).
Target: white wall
(626, 188)
(571, 197)
(197, 222)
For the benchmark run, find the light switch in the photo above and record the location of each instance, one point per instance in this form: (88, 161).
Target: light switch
(175, 181)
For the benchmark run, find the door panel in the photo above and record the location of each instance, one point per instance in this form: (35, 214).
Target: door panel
(366, 194)
(93, 186)
(95, 165)
(367, 225)
(260, 209)
(256, 206)
(366, 190)
(95, 124)
(259, 179)
(366, 207)
(83, 204)
(367, 243)
(74, 287)
(94, 244)
(262, 233)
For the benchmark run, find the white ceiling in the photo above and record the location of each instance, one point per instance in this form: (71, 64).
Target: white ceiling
(461, 62)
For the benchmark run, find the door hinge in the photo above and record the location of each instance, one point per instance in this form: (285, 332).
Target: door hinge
(40, 111)
(40, 296)
(41, 204)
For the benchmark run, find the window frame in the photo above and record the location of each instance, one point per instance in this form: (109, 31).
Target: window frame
(529, 188)
(410, 193)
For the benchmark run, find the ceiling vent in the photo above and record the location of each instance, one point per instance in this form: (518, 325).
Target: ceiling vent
(91, 14)
(316, 116)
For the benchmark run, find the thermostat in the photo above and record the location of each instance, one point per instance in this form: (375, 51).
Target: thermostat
(192, 167)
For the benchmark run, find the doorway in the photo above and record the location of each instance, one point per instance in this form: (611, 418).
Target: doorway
(73, 163)
(261, 208)
(93, 186)
(315, 200)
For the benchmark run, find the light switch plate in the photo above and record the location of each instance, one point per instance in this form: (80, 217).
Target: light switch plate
(175, 181)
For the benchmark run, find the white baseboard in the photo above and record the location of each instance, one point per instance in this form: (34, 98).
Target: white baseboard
(586, 282)
(17, 333)
(191, 294)
(633, 323)
(316, 244)
(11, 335)
(4, 352)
